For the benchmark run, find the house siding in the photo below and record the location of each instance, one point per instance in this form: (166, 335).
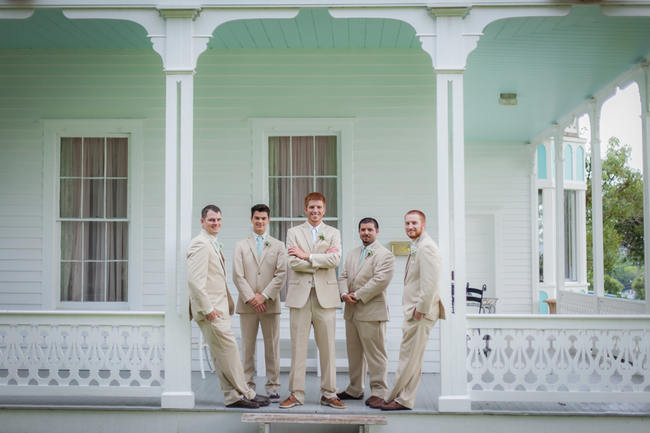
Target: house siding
(389, 94)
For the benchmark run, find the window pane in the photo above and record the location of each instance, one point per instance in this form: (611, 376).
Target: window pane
(71, 282)
(93, 157)
(279, 156)
(117, 154)
(70, 156)
(278, 229)
(279, 197)
(301, 187)
(94, 240)
(94, 282)
(70, 198)
(118, 240)
(302, 156)
(117, 282)
(326, 156)
(93, 198)
(327, 187)
(116, 198)
(71, 240)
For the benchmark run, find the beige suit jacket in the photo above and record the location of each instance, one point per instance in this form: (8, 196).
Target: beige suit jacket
(206, 277)
(368, 280)
(422, 280)
(253, 274)
(321, 269)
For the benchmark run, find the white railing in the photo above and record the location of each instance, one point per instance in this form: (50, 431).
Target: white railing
(558, 358)
(81, 353)
(582, 303)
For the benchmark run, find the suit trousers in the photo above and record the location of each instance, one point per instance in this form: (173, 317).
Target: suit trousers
(324, 321)
(225, 355)
(415, 334)
(366, 345)
(270, 324)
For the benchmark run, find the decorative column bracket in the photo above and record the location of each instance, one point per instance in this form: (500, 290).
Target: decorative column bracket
(193, 28)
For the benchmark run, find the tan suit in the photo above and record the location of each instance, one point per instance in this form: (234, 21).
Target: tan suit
(312, 296)
(421, 293)
(365, 322)
(206, 274)
(267, 274)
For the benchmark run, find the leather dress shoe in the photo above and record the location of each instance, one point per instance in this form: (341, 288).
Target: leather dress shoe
(262, 400)
(274, 396)
(345, 396)
(375, 402)
(290, 401)
(244, 403)
(393, 405)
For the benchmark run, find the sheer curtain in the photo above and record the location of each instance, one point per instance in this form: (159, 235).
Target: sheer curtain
(93, 193)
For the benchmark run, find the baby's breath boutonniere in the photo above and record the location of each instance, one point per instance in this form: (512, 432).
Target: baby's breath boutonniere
(220, 246)
(321, 237)
(267, 243)
(370, 253)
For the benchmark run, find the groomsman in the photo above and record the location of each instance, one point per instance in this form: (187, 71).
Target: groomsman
(368, 271)
(259, 272)
(421, 306)
(312, 297)
(211, 307)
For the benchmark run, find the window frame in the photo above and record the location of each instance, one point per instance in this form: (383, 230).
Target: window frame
(263, 128)
(53, 131)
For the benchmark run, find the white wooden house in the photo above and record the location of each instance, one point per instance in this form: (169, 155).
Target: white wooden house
(120, 120)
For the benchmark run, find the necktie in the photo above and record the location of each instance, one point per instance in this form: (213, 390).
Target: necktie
(260, 245)
(314, 233)
(216, 242)
(363, 254)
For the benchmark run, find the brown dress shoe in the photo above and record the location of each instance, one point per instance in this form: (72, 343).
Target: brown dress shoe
(262, 400)
(332, 402)
(375, 402)
(345, 396)
(291, 401)
(244, 403)
(393, 405)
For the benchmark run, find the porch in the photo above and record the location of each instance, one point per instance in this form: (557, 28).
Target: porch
(126, 415)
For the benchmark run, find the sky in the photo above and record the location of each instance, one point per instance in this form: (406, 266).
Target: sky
(621, 117)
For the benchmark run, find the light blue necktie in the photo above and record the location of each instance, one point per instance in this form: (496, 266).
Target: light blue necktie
(314, 234)
(260, 245)
(216, 242)
(364, 251)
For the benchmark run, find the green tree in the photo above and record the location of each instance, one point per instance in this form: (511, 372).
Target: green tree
(622, 215)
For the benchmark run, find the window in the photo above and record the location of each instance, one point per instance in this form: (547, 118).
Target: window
(93, 203)
(570, 236)
(298, 165)
(540, 233)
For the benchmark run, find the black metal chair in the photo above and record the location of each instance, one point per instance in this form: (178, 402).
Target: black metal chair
(475, 296)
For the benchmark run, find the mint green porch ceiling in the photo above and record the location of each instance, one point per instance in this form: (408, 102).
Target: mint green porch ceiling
(553, 64)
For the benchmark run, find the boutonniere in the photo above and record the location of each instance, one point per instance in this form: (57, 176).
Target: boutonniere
(220, 246)
(321, 237)
(369, 253)
(267, 243)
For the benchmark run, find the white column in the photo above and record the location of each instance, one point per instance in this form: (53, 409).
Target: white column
(450, 184)
(548, 206)
(644, 91)
(559, 210)
(179, 100)
(597, 200)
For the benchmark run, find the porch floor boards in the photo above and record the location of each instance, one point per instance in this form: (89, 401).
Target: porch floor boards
(208, 397)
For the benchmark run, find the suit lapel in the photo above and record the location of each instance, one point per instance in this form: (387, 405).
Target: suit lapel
(306, 232)
(252, 245)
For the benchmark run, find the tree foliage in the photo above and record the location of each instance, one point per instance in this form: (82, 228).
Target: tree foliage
(622, 195)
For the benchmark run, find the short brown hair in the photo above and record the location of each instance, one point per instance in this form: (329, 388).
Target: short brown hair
(210, 207)
(417, 212)
(314, 196)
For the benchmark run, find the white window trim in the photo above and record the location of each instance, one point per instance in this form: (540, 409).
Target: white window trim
(53, 130)
(343, 128)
